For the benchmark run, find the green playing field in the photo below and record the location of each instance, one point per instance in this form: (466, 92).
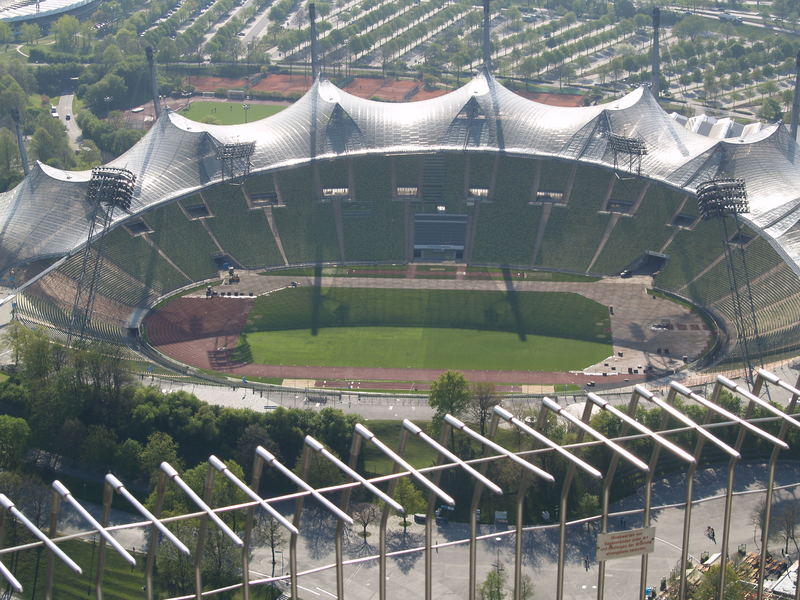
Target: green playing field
(448, 329)
(229, 113)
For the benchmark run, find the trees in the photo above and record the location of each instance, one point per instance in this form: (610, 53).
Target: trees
(770, 110)
(449, 394)
(411, 499)
(483, 399)
(364, 514)
(6, 35)
(14, 436)
(66, 31)
(30, 32)
(690, 27)
(708, 589)
(492, 586)
(268, 532)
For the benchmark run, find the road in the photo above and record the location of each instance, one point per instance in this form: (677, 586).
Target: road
(64, 110)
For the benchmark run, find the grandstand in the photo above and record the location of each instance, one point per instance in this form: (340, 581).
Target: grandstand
(535, 187)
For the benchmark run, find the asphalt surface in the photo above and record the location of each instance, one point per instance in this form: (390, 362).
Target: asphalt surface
(64, 108)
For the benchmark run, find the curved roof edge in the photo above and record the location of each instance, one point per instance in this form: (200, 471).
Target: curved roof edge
(178, 156)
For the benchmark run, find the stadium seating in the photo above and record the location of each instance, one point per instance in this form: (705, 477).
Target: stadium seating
(573, 232)
(305, 225)
(373, 224)
(333, 173)
(258, 185)
(454, 195)
(171, 230)
(715, 284)
(646, 230)
(507, 227)
(135, 256)
(690, 252)
(113, 282)
(244, 234)
(503, 229)
(554, 176)
(408, 170)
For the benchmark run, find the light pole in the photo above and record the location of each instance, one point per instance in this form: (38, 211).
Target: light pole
(245, 108)
(498, 567)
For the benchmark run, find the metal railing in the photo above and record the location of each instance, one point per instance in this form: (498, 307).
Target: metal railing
(384, 487)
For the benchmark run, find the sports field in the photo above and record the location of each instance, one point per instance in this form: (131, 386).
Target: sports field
(229, 113)
(422, 328)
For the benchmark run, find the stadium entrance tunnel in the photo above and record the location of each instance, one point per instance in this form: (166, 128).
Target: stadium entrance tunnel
(223, 262)
(649, 263)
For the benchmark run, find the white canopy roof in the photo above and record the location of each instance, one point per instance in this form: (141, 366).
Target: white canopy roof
(47, 214)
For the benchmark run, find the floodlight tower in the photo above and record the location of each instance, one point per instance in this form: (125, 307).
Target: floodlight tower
(634, 148)
(23, 153)
(796, 100)
(312, 17)
(656, 81)
(151, 63)
(487, 40)
(234, 158)
(110, 189)
(719, 199)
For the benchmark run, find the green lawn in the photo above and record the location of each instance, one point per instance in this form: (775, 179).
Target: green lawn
(120, 582)
(229, 113)
(439, 329)
(423, 348)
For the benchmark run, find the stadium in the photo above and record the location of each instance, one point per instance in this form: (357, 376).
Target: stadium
(599, 202)
(480, 177)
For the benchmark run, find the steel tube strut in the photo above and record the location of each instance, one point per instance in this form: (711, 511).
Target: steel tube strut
(118, 487)
(488, 444)
(565, 488)
(523, 488)
(773, 460)
(609, 478)
(238, 483)
(270, 460)
(612, 445)
(648, 486)
(443, 453)
(67, 496)
(319, 448)
(456, 424)
(540, 437)
(397, 465)
(477, 492)
(344, 503)
(33, 529)
(754, 401)
(711, 407)
(369, 436)
(173, 475)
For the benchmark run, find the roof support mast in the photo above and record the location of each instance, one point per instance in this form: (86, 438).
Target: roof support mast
(796, 102)
(487, 44)
(151, 62)
(312, 17)
(656, 75)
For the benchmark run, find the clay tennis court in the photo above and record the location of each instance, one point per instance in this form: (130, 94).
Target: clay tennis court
(388, 90)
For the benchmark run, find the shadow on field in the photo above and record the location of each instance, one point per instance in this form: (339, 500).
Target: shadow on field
(513, 302)
(316, 299)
